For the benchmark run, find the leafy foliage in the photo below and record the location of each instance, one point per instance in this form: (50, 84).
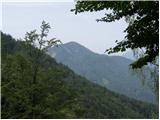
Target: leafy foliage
(33, 39)
(60, 93)
(143, 28)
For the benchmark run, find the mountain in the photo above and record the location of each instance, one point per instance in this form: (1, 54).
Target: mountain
(112, 72)
(59, 92)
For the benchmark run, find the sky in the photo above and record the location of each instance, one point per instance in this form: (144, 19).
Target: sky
(21, 17)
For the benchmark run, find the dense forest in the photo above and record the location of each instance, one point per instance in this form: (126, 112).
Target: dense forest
(58, 92)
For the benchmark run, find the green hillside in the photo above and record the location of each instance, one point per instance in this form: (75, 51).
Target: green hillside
(111, 72)
(59, 92)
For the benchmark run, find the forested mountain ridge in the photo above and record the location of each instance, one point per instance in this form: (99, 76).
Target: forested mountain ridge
(60, 92)
(112, 72)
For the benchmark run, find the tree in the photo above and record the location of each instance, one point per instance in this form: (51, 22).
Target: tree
(21, 98)
(143, 28)
(37, 45)
(38, 41)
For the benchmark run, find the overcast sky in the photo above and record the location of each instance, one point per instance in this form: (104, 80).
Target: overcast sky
(18, 18)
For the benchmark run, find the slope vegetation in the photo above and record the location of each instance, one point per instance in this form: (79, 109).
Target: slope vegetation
(60, 93)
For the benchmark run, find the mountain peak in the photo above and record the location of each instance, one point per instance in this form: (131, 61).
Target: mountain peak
(76, 47)
(73, 43)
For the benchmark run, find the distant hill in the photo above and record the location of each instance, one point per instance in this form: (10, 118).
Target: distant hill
(112, 72)
(60, 93)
